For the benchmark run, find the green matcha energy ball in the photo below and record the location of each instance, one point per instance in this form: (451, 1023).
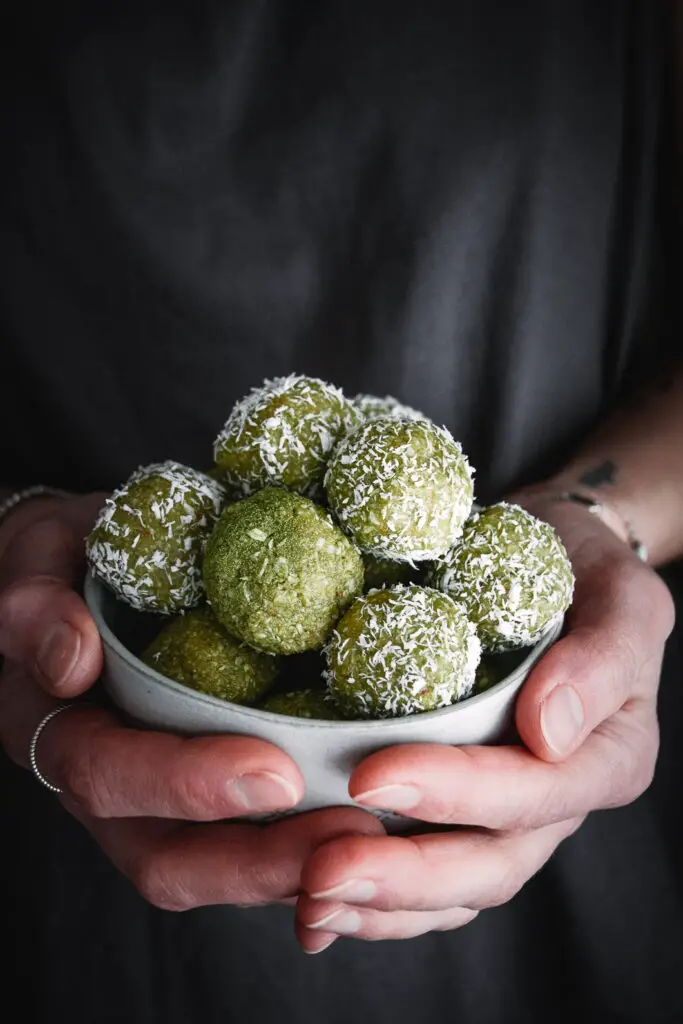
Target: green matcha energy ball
(303, 704)
(281, 435)
(372, 407)
(194, 649)
(279, 573)
(384, 572)
(401, 489)
(402, 650)
(511, 571)
(149, 538)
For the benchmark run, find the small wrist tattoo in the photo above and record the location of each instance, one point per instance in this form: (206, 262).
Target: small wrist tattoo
(599, 476)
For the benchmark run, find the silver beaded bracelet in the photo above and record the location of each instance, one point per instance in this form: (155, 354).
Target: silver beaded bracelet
(608, 516)
(19, 497)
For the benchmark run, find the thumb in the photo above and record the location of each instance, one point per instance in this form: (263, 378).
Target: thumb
(611, 655)
(45, 625)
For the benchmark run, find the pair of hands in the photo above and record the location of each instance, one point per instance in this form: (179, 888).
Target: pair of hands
(587, 716)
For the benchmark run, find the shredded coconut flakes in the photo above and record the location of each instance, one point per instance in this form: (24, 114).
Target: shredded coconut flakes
(415, 652)
(167, 578)
(401, 488)
(513, 574)
(290, 447)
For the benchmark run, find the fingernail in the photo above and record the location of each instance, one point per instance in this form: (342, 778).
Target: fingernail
(263, 791)
(562, 718)
(58, 653)
(320, 949)
(356, 890)
(391, 798)
(342, 922)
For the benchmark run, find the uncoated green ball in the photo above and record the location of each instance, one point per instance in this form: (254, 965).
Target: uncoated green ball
(401, 489)
(384, 572)
(511, 572)
(281, 435)
(372, 407)
(303, 704)
(194, 649)
(149, 538)
(399, 651)
(279, 573)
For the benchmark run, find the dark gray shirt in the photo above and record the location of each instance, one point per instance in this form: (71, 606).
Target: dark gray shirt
(454, 202)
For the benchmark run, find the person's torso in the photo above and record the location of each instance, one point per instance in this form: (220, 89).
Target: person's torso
(449, 202)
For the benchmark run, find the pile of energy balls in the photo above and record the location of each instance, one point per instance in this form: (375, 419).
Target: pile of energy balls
(343, 526)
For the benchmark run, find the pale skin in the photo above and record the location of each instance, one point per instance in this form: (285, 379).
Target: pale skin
(587, 716)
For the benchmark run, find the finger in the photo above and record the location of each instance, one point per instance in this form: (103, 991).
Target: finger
(319, 922)
(430, 872)
(44, 623)
(509, 787)
(112, 771)
(180, 867)
(50, 539)
(46, 627)
(619, 621)
(313, 941)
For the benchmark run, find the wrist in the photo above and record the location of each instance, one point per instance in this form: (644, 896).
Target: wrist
(554, 491)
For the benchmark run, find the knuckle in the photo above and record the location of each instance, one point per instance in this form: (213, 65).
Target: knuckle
(450, 814)
(640, 776)
(509, 879)
(617, 573)
(158, 884)
(83, 781)
(663, 605)
(348, 851)
(633, 581)
(615, 649)
(192, 797)
(548, 806)
(627, 663)
(25, 597)
(642, 615)
(630, 773)
(638, 783)
(352, 851)
(43, 546)
(48, 534)
(13, 598)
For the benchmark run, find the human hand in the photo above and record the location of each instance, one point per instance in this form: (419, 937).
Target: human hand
(136, 791)
(587, 716)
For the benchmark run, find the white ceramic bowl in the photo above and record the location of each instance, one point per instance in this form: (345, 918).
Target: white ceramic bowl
(326, 752)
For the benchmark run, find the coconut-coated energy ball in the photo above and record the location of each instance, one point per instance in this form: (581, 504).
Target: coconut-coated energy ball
(399, 651)
(511, 571)
(279, 573)
(384, 572)
(303, 704)
(372, 407)
(194, 649)
(148, 540)
(401, 489)
(281, 435)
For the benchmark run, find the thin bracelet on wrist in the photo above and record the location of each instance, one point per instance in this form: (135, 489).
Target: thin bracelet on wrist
(19, 497)
(616, 522)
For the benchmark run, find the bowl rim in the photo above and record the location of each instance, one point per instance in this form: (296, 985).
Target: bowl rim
(95, 588)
